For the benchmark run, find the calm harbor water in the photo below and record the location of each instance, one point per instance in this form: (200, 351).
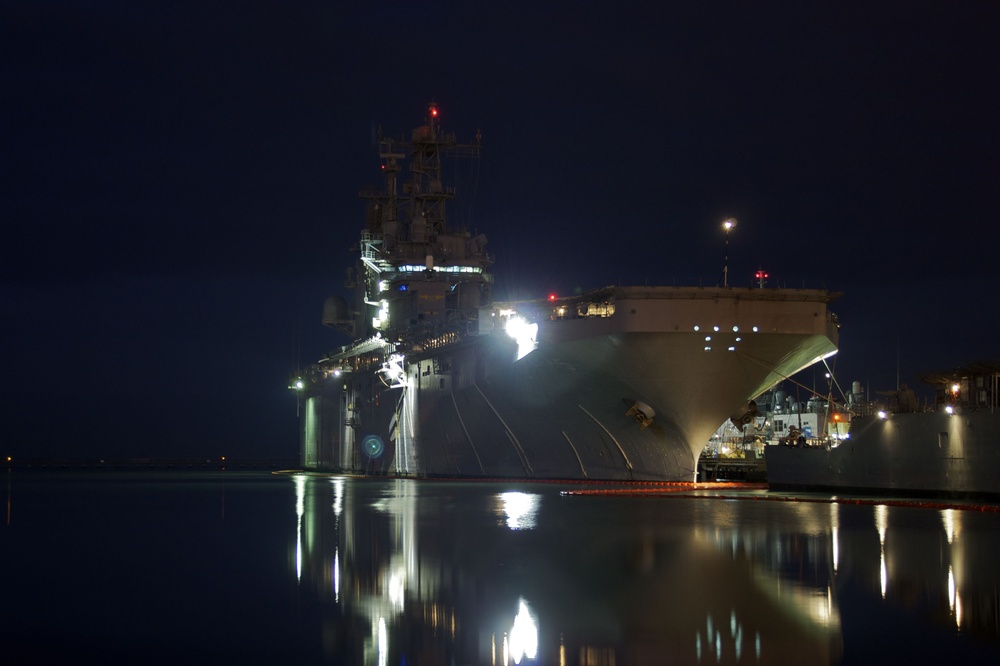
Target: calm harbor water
(252, 567)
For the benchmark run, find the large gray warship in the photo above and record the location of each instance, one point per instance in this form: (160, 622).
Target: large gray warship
(622, 382)
(951, 449)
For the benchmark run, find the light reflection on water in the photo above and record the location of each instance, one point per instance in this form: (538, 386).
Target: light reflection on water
(382, 571)
(640, 580)
(519, 509)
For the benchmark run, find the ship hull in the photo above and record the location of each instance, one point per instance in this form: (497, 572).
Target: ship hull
(567, 409)
(931, 454)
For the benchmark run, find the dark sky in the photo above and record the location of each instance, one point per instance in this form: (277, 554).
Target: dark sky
(179, 183)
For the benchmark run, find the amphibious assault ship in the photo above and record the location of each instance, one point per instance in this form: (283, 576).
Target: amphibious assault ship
(621, 382)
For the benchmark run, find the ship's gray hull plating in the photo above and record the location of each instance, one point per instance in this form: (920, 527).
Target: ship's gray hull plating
(921, 454)
(561, 411)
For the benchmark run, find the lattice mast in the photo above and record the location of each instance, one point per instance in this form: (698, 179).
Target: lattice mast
(407, 244)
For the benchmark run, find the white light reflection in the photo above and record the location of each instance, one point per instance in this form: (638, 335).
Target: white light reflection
(818, 606)
(397, 589)
(952, 521)
(520, 509)
(524, 634)
(300, 510)
(338, 495)
(336, 575)
(736, 633)
(954, 599)
(383, 643)
(835, 533)
(951, 589)
(881, 524)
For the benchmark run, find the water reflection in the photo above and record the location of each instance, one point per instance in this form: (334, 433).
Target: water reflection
(523, 635)
(419, 572)
(519, 509)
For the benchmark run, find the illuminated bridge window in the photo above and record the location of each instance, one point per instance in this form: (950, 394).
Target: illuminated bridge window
(416, 268)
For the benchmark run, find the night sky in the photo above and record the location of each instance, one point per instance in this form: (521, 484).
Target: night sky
(179, 183)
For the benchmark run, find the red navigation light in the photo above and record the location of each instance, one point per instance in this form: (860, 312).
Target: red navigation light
(434, 111)
(552, 297)
(761, 275)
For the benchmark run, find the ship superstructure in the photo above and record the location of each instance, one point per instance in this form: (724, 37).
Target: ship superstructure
(624, 382)
(418, 275)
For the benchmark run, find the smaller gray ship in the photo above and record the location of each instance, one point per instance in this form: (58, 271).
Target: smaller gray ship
(949, 450)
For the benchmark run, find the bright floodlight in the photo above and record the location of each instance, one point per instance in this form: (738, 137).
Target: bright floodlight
(729, 223)
(524, 333)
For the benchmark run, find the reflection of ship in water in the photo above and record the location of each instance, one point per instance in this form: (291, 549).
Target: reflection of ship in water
(951, 449)
(427, 572)
(899, 567)
(622, 382)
